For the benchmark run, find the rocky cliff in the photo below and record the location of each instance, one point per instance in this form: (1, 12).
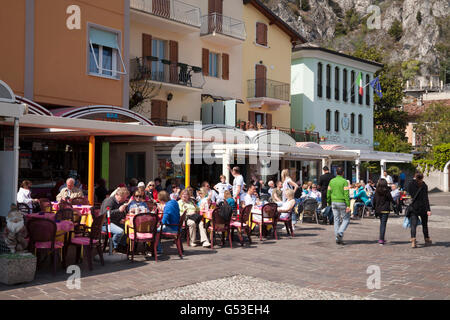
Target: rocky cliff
(408, 30)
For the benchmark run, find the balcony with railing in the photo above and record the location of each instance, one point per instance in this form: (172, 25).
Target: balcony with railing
(221, 29)
(171, 74)
(267, 92)
(172, 15)
(300, 135)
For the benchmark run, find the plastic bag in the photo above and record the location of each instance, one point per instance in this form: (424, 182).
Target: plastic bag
(406, 223)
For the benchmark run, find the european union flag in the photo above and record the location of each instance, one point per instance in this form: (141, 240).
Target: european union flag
(375, 84)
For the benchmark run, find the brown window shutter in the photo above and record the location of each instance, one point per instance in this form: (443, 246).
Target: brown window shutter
(225, 66)
(269, 120)
(264, 34)
(259, 33)
(173, 57)
(146, 51)
(155, 112)
(251, 117)
(211, 6)
(163, 108)
(205, 61)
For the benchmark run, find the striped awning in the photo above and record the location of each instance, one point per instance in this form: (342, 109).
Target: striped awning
(333, 147)
(311, 145)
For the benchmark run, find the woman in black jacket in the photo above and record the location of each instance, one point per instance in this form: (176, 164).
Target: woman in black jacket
(382, 205)
(420, 208)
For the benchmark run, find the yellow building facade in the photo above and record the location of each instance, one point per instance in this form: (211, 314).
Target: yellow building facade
(266, 70)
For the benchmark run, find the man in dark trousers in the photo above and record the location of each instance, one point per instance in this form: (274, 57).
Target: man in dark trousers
(324, 180)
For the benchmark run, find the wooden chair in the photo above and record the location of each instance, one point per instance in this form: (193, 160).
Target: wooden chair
(80, 201)
(288, 223)
(175, 236)
(143, 231)
(64, 205)
(90, 240)
(269, 216)
(243, 224)
(218, 224)
(42, 235)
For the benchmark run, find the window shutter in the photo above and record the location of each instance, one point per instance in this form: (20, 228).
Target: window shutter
(269, 121)
(225, 66)
(155, 112)
(251, 117)
(173, 56)
(205, 61)
(264, 34)
(146, 51)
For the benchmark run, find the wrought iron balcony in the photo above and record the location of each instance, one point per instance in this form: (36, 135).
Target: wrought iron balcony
(218, 23)
(170, 9)
(260, 88)
(170, 122)
(165, 71)
(300, 135)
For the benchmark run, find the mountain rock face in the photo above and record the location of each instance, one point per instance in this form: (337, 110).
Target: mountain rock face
(342, 25)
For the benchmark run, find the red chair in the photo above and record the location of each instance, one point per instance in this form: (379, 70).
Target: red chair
(175, 236)
(80, 201)
(42, 235)
(219, 225)
(64, 214)
(243, 224)
(269, 216)
(143, 230)
(89, 241)
(288, 223)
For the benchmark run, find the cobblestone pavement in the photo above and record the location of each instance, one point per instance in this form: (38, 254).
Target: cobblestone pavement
(310, 261)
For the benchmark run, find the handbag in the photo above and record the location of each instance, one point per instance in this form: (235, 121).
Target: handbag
(196, 217)
(409, 209)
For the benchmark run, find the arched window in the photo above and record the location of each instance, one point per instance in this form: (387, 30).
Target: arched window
(328, 80)
(328, 120)
(336, 121)
(344, 85)
(336, 83)
(367, 90)
(319, 80)
(352, 90)
(360, 124)
(352, 123)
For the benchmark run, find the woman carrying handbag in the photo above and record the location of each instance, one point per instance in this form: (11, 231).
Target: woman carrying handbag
(419, 207)
(382, 205)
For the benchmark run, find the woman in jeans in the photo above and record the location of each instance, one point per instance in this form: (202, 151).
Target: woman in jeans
(420, 208)
(382, 205)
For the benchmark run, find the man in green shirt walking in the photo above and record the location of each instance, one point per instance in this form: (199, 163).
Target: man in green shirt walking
(338, 196)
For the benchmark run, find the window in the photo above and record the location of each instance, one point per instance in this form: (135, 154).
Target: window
(360, 124)
(352, 123)
(367, 90)
(214, 59)
(352, 90)
(344, 85)
(336, 83)
(261, 34)
(328, 120)
(159, 51)
(259, 118)
(336, 121)
(328, 80)
(319, 80)
(134, 166)
(104, 53)
(360, 96)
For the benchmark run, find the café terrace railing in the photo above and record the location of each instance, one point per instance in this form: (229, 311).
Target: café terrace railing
(161, 70)
(218, 23)
(170, 9)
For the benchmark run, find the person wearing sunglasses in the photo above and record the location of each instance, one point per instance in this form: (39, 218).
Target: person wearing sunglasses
(138, 204)
(151, 191)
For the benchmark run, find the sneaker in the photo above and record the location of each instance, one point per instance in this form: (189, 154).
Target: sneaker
(381, 242)
(206, 244)
(339, 239)
(293, 227)
(193, 244)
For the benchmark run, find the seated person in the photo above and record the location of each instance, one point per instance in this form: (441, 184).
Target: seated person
(69, 192)
(191, 209)
(171, 215)
(277, 193)
(117, 206)
(314, 193)
(305, 191)
(138, 205)
(151, 192)
(360, 194)
(175, 195)
(229, 199)
(395, 193)
(288, 205)
(250, 197)
(204, 200)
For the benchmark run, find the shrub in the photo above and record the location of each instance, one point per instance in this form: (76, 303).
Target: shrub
(396, 30)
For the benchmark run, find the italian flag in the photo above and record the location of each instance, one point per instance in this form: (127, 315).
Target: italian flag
(359, 82)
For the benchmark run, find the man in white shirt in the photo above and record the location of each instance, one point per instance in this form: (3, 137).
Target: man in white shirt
(388, 178)
(250, 196)
(271, 185)
(238, 183)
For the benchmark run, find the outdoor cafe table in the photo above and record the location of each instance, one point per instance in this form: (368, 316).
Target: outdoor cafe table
(84, 210)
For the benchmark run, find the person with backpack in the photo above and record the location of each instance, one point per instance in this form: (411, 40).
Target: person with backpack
(338, 196)
(382, 206)
(419, 207)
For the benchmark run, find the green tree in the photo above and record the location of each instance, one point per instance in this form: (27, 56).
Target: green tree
(410, 68)
(432, 127)
(390, 142)
(396, 30)
(438, 160)
(387, 115)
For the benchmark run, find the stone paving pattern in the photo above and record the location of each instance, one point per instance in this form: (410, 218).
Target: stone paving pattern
(311, 260)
